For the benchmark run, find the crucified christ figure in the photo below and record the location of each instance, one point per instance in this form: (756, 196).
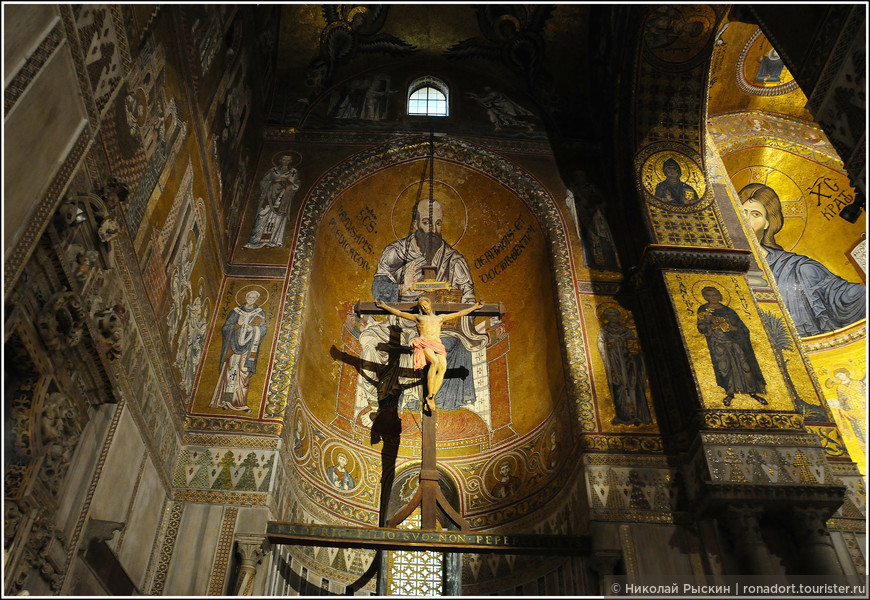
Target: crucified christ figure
(428, 347)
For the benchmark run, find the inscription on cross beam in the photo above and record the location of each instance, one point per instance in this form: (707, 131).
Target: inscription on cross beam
(384, 538)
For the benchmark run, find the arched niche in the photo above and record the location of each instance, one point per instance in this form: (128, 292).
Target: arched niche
(362, 205)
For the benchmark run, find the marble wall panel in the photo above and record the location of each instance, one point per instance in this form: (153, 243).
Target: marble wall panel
(142, 523)
(51, 106)
(23, 26)
(117, 481)
(194, 550)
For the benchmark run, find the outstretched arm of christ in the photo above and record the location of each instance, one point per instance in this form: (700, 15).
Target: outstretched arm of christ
(391, 310)
(461, 313)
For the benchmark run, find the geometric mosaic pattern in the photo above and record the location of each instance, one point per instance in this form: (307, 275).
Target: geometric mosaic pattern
(692, 229)
(230, 469)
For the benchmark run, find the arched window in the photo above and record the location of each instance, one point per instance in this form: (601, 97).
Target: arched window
(428, 96)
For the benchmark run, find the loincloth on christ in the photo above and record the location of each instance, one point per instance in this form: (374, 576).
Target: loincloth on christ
(419, 344)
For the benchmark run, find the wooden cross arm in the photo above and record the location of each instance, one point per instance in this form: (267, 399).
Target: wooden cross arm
(487, 310)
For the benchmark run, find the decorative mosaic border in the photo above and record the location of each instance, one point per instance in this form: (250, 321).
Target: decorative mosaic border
(121, 37)
(167, 547)
(833, 341)
(69, 25)
(218, 497)
(634, 516)
(148, 576)
(223, 552)
(856, 551)
(760, 439)
(34, 63)
(45, 208)
(629, 552)
(229, 441)
(274, 133)
(236, 426)
(733, 135)
(621, 443)
(850, 525)
(449, 149)
(621, 460)
(840, 469)
(735, 419)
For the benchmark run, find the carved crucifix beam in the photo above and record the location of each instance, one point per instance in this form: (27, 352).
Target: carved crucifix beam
(487, 310)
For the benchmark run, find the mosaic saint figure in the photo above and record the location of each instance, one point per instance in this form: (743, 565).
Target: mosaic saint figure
(672, 189)
(817, 300)
(626, 374)
(851, 402)
(770, 67)
(191, 341)
(399, 268)
(501, 110)
(428, 347)
(586, 204)
(277, 189)
(338, 475)
(179, 288)
(299, 438)
(554, 451)
(507, 484)
(242, 333)
(734, 363)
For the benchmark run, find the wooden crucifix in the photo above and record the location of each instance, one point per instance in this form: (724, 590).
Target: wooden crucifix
(429, 349)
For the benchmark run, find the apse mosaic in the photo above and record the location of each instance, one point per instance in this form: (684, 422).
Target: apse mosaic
(376, 243)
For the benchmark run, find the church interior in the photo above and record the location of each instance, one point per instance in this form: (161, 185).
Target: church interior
(650, 217)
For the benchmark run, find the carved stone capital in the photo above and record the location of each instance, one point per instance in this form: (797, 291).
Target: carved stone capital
(605, 561)
(809, 523)
(251, 548)
(742, 521)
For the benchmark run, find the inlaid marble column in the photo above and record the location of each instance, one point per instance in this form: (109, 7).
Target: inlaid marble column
(817, 553)
(742, 522)
(604, 564)
(251, 549)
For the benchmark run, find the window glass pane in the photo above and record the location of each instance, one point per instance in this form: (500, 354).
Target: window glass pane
(428, 101)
